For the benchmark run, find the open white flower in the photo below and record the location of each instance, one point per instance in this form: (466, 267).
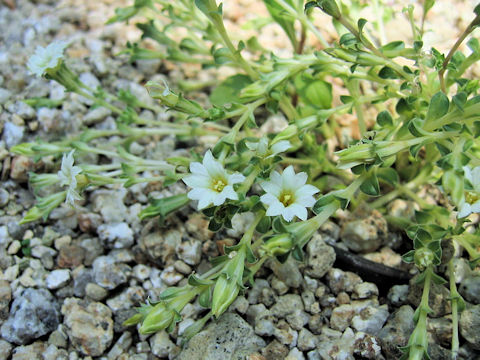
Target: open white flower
(471, 202)
(210, 182)
(262, 150)
(46, 58)
(288, 195)
(67, 176)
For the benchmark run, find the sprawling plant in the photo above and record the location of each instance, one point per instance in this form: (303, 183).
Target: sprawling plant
(418, 116)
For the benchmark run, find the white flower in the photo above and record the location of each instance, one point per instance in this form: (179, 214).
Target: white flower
(288, 195)
(471, 201)
(210, 182)
(67, 176)
(46, 58)
(262, 150)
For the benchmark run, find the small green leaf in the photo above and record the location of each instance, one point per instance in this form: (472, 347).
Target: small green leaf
(370, 185)
(387, 73)
(347, 40)
(384, 118)
(388, 175)
(194, 280)
(409, 257)
(438, 106)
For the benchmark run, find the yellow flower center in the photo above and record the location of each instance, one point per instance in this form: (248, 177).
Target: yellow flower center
(286, 198)
(218, 184)
(471, 197)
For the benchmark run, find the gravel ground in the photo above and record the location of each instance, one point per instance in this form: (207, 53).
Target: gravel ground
(91, 266)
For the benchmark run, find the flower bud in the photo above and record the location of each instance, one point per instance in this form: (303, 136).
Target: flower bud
(329, 7)
(159, 318)
(424, 257)
(172, 100)
(278, 245)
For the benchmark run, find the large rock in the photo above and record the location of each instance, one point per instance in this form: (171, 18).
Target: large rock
(229, 338)
(32, 315)
(320, 257)
(89, 325)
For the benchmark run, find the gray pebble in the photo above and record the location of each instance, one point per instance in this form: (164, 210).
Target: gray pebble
(12, 134)
(306, 340)
(95, 292)
(320, 257)
(58, 278)
(469, 325)
(371, 319)
(470, 289)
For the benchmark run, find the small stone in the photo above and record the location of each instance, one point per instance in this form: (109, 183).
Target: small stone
(12, 134)
(306, 340)
(95, 292)
(5, 95)
(341, 317)
(397, 295)
(142, 347)
(121, 346)
(32, 315)
(89, 326)
(96, 115)
(108, 273)
(160, 247)
(29, 352)
(396, 332)
(371, 319)
(4, 197)
(182, 268)
(470, 289)
(190, 251)
(297, 319)
(255, 292)
(70, 256)
(339, 280)
(469, 325)
(240, 304)
(438, 299)
(285, 334)
(161, 345)
(81, 277)
(367, 347)
(170, 276)
(5, 298)
(364, 290)
(141, 272)
(5, 349)
(116, 235)
(295, 354)
(58, 338)
(287, 304)
(127, 299)
(331, 346)
(279, 286)
(320, 257)
(110, 204)
(14, 247)
(287, 272)
(229, 335)
(365, 235)
(275, 350)
(40, 250)
(264, 327)
(441, 329)
(58, 278)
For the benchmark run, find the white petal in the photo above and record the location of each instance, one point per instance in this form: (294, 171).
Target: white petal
(235, 178)
(465, 210)
(306, 201)
(299, 211)
(306, 190)
(197, 181)
(476, 178)
(214, 168)
(300, 179)
(269, 199)
(203, 203)
(219, 199)
(288, 213)
(197, 194)
(276, 178)
(229, 193)
(288, 178)
(271, 188)
(197, 168)
(281, 146)
(475, 207)
(262, 146)
(468, 173)
(275, 209)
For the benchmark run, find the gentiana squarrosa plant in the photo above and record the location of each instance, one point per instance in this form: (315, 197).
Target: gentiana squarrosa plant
(424, 134)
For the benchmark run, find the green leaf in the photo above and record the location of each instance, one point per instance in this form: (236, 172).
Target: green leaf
(228, 91)
(460, 100)
(409, 257)
(438, 106)
(347, 40)
(415, 126)
(393, 46)
(264, 224)
(474, 45)
(388, 175)
(384, 118)
(370, 185)
(314, 92)
(194, 280)
(205, 298)
(387, 73)
(222, 56)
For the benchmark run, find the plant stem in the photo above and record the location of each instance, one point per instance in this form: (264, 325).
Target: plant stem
(475, 22)
(454, 301)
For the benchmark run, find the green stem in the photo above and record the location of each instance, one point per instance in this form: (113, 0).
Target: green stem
(454, 301)
(475, 22)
